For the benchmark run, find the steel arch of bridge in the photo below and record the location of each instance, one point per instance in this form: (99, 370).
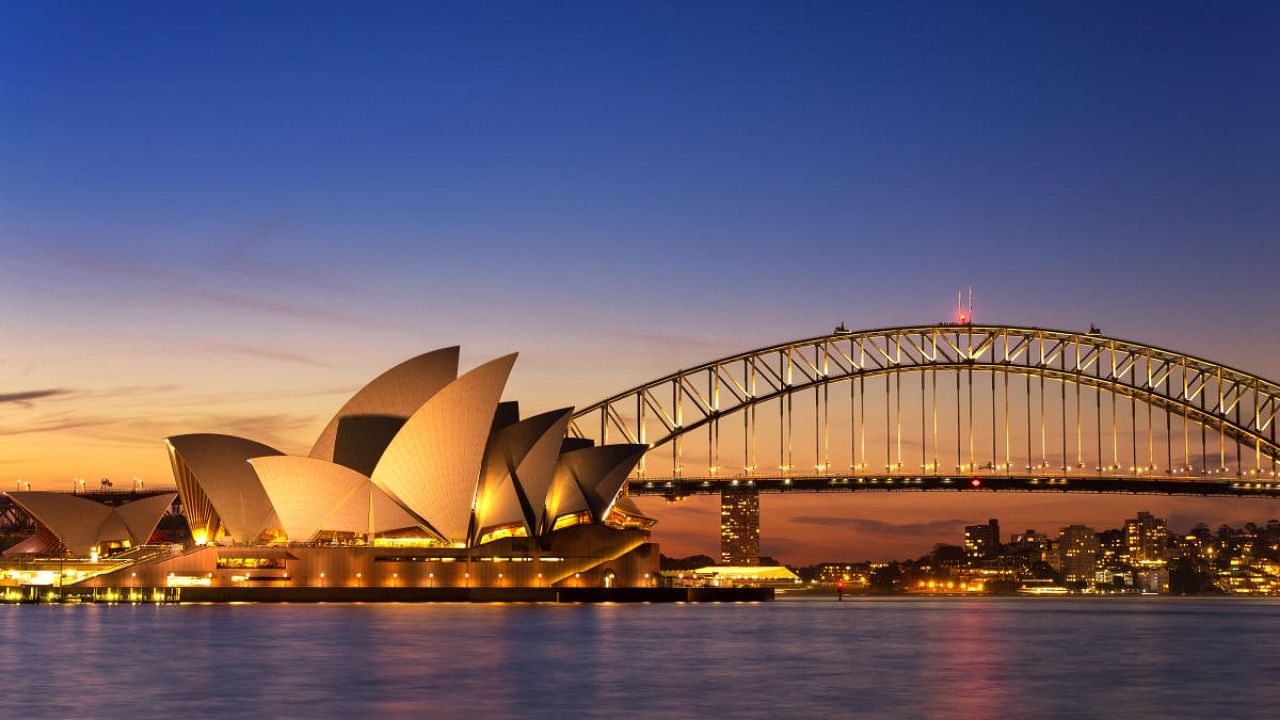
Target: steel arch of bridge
(1233, 403)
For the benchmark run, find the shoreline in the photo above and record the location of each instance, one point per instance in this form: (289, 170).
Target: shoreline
(219, 595)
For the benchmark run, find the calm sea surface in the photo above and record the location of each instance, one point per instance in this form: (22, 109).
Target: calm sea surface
(928, 658)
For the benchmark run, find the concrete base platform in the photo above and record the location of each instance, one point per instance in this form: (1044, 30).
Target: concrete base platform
(29, 594)
(452, 594)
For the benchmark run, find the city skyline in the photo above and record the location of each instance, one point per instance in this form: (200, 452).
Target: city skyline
(204, 217)
(1142, 556)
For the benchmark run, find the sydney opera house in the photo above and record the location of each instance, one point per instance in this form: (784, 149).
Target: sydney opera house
(424, 478)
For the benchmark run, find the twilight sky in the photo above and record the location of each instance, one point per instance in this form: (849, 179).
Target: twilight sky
(227, 216)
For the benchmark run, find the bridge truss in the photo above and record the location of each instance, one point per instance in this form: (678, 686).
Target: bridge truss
(948, 407)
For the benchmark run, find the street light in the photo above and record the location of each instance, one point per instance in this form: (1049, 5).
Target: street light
(137, 484)
(62, 557)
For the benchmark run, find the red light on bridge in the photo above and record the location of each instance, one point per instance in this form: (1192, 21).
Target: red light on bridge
(976, 482)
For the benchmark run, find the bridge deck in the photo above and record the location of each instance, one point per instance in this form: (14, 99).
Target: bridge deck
(1200, 486)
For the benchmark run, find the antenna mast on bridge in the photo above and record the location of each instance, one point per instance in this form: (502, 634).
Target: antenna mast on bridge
(964, 316)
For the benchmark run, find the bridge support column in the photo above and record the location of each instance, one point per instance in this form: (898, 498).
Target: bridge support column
(740, 526)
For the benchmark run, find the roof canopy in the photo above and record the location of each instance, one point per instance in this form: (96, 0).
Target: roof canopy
(418, 447)
(80, 524)
(218, 473)
(398, 392)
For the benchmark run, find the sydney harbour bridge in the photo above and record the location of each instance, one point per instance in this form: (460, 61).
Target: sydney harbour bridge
(956, 407)
(946, 407)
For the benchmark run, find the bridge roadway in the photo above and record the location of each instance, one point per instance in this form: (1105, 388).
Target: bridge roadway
(1244, 487)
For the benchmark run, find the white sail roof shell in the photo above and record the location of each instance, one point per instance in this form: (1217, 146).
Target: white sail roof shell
(81, 524)
(519, 468)
(311, 496)
(564, 497)
(75, 521)
(433, 464)
(604, 473)
(397, 392)
(141, 517)
(597, 473)
(220, 467)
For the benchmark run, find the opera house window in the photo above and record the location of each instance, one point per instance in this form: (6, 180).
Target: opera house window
(250, 563)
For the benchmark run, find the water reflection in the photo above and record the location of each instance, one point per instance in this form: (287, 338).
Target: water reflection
(936, 658)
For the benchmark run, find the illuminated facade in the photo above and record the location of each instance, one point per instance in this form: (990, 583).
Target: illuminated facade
(1078, 550)
(1146, 540)
(731, 576)
(982, 542)
(421, 472)
(580, 556)
(740, 527)
(424, 478)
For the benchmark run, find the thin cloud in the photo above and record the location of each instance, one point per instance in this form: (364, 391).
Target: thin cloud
(123, 391)
(177, 282)
(276, 307)
(53, 426)
(278, 430)
(25, 398)
(235, 398)
(253, 425)
(665, 341)
(49, 250)
(881, 528)
(280, 355)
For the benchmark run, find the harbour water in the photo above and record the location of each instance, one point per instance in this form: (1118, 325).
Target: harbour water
(794, 658)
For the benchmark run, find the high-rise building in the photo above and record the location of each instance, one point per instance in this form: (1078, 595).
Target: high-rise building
(1031, 547)
(740, 527)
(1078, 549)
(982, 541)
(1146, 540)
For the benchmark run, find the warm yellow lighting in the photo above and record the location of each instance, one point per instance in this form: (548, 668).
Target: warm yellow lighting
(189, 581)
(504, 532)
(565, 521)
(410, 542)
